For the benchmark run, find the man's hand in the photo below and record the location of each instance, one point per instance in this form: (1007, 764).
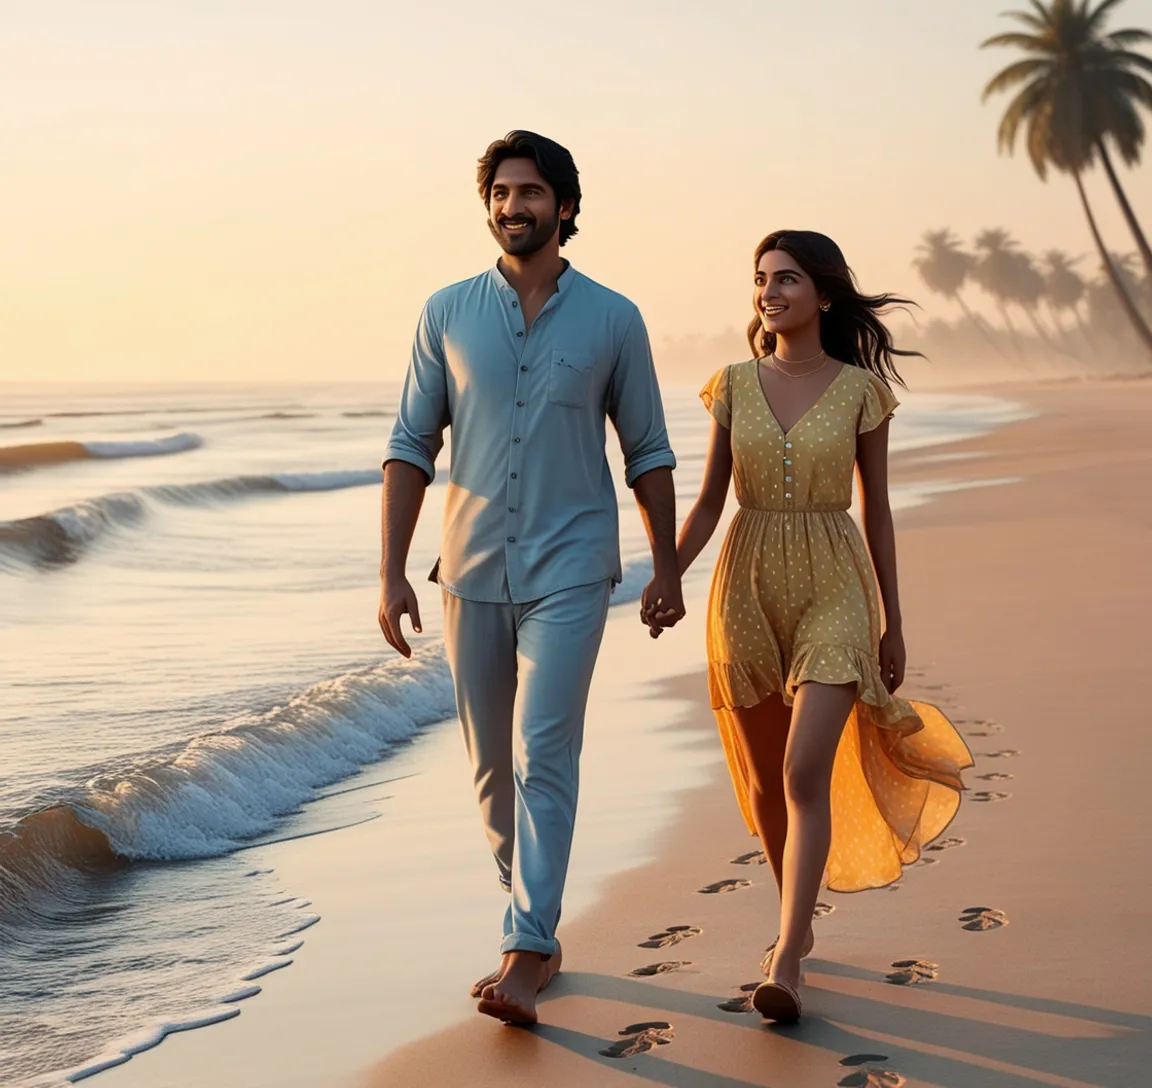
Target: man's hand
(661, 604)
(397, 597)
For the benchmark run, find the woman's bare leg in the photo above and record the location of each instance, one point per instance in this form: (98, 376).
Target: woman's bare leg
(818, 717)
(763, 733)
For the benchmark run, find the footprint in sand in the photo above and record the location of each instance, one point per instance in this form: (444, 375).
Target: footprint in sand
(640, 1038)
(660, 968)
(742, 1002)
(725, 886)
(989, 795)
(822, 910)
(984, 729)
(672, 935)
(996, 776)
(912, 972)
(946, 844)
(756, 857)
(982, 918)
(870, 1077)
(921, 862)
(1003, 753)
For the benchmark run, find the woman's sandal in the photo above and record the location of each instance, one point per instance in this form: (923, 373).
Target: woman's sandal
(777, 1001)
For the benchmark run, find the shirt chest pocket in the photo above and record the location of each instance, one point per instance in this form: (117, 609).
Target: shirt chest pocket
(570, 378)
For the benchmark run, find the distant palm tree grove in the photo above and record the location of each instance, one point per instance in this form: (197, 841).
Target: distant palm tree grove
(1079, 92)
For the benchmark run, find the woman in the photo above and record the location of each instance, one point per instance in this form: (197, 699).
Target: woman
(843, 782)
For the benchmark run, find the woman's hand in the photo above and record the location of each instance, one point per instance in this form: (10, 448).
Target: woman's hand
(893, 659)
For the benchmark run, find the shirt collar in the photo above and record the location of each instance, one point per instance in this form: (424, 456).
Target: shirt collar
(565, 280)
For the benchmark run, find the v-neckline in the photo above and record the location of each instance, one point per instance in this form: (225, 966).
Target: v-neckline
(807, 411)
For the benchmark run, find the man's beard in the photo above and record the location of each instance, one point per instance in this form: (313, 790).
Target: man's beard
(523, 243)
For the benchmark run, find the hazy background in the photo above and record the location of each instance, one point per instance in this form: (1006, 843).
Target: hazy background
(267, 191)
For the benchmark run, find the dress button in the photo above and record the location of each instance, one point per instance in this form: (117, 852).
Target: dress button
(787, 445)
(787, 479)
(788, 494)
(786, 461)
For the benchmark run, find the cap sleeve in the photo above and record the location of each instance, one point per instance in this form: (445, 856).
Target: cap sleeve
(879, 404)
(717, 395)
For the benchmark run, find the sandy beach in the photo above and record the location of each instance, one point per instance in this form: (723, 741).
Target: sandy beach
(1026, 608)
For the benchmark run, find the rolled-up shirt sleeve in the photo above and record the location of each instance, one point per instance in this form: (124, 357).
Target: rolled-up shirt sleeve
(635, 408)
(418, 433)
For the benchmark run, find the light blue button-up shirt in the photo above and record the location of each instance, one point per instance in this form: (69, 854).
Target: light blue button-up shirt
(531, 508)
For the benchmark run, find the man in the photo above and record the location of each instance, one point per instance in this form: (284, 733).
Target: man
(525, 362)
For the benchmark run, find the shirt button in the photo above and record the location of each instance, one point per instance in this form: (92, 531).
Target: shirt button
(787, 445)
(511, 540)
(515, 439)
(515, 305)
(787, 479)
(513, 475)
(788, 494)
(519, 334)
(523, 367)
(519, 404)
(786, 461)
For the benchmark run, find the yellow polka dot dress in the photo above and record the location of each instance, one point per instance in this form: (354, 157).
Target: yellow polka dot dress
(793, 599)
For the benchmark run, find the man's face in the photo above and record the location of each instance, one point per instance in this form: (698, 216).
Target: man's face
(522, 213)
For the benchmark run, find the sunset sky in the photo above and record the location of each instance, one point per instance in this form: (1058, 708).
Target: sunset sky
(267, 190)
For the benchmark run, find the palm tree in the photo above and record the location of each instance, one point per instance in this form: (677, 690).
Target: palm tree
(1027, 290)
(996, 270)
(1082, 91)
(1064, 287)
(945, 268)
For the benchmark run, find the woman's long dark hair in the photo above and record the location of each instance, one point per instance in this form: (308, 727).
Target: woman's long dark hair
(851, 329)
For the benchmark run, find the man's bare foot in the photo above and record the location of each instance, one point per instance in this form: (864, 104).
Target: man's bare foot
(489, 980)
(512, 998)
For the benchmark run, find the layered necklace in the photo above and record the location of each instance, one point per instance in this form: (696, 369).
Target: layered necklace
(799, 362)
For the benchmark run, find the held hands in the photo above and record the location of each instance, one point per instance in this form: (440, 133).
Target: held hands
(893, 659)
(396, 598)
(661, 604)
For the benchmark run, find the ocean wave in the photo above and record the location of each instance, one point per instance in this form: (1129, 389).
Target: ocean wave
(40, 454)
(155, 447)
(61, 537)
(228, 788)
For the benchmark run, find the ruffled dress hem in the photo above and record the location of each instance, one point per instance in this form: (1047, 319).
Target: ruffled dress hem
(897, 777)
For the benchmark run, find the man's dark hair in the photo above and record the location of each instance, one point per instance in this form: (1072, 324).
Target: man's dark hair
(554, 162)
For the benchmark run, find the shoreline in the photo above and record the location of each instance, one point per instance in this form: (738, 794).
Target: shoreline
(594, 997)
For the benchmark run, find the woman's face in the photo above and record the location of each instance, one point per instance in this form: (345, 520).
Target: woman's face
(785, 296)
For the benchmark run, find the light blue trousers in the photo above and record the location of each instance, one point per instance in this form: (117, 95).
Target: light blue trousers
(522, 673)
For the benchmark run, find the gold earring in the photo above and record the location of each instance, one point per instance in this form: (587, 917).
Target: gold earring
(826, 306)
